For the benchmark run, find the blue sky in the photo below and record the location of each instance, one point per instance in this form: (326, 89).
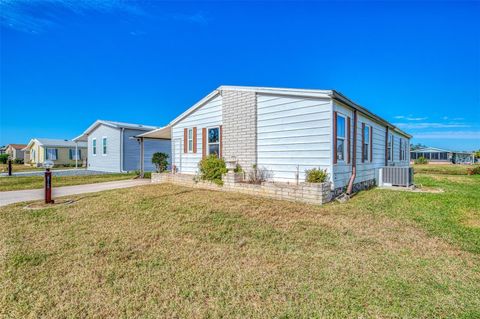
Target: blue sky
(65, 64)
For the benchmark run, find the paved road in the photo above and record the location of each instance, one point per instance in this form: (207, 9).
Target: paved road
(11, 197)
(57, 172)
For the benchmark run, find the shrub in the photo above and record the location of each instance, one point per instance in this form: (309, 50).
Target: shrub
(238, 169)
(212, 168)
(316, 175)
(258, 175)
(18, 161)
(3, 158)
(421, 160)
(473, 170)
(161, 161)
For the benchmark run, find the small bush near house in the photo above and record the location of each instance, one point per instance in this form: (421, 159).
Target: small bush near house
(473, 170)
(258, 175)
(238, 169)
(160, 160)
(18, 161)
(212, 168)
(316, 175)
(421, 160)
(3, 158)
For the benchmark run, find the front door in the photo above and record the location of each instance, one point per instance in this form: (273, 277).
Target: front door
(177, 155)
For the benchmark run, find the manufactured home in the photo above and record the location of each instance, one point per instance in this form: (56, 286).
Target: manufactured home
(60, 152)
(285, 132)
(113, 146)
(441, 156)
(16, 152)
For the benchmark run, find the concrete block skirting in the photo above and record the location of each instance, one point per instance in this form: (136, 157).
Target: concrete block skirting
(304, 192)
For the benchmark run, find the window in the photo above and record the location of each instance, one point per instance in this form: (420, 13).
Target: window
(390, 150)
(51, 154)
(366, 142)
(104, 145)
(213, 142)
(94, 146)
(74, 155)
(341, 138)
(190, 140)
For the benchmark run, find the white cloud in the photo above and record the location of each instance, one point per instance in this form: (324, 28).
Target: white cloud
(410, 118)
(470, 135)
(36, 16)
(427, 125)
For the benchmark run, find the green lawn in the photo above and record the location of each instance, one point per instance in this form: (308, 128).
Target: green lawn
(18, 168)
(171, 251)
(442, 169)
(32, 182)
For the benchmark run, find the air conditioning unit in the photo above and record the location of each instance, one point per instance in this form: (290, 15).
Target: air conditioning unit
(396, 176)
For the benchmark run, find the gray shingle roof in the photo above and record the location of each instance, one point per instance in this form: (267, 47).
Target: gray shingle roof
(59, 142)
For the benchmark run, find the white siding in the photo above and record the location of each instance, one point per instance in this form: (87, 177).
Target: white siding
(293, 132)
(208, 115)
(369, 169)
(111, 161)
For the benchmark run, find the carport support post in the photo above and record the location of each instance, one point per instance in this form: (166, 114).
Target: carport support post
(76, 154)
(142, 155)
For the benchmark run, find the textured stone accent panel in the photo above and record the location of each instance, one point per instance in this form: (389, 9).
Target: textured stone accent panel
(239, 111)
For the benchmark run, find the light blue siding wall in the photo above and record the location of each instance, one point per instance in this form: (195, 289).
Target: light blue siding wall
(131, 154)
(369, 169)
(293, 133)
(208, 115)
(109, 162)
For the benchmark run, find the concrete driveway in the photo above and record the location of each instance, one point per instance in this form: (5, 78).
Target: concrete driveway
(11, 197)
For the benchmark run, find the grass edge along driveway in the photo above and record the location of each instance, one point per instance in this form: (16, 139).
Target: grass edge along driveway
(12, 183)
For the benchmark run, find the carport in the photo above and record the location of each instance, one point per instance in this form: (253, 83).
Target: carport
(163, 133)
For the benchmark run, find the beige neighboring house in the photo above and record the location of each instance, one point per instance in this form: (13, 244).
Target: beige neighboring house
(15, 151)
(60, 152)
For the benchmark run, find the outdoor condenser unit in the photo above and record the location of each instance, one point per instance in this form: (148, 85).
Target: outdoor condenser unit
(396, 176)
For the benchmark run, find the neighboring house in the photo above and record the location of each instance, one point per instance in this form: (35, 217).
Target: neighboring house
(113, 147)
(442, 156)
(61, 152)
(15, 151)
(285, 132)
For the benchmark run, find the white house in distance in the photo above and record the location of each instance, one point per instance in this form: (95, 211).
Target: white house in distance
(287, 131)
(113, 147)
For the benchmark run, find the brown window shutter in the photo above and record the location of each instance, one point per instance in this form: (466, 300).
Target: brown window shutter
(400, 150)
(371, 144)
(221, 141)
(185, 140)
(363, 142)
(386, 146)
(204, 142)
(194, 140)
(393, 149)
(348, 140)
(334, 137)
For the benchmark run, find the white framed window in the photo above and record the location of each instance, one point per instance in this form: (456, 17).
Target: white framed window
(51, 154)
(75, 154)
(104, 145)
(213, 141)
(390, 148)
(366, 143)
(190, 140)
(94, 146)
(341, 135)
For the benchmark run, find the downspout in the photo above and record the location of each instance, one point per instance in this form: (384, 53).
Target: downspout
(76, 154)
(354, 154)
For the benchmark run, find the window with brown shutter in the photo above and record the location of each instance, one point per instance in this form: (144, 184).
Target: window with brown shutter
(194, 140)
(185, 140)
(348, 139)
(334, 137)
(204, 142)
(363, 142)
(221, 141)
(371, 144)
